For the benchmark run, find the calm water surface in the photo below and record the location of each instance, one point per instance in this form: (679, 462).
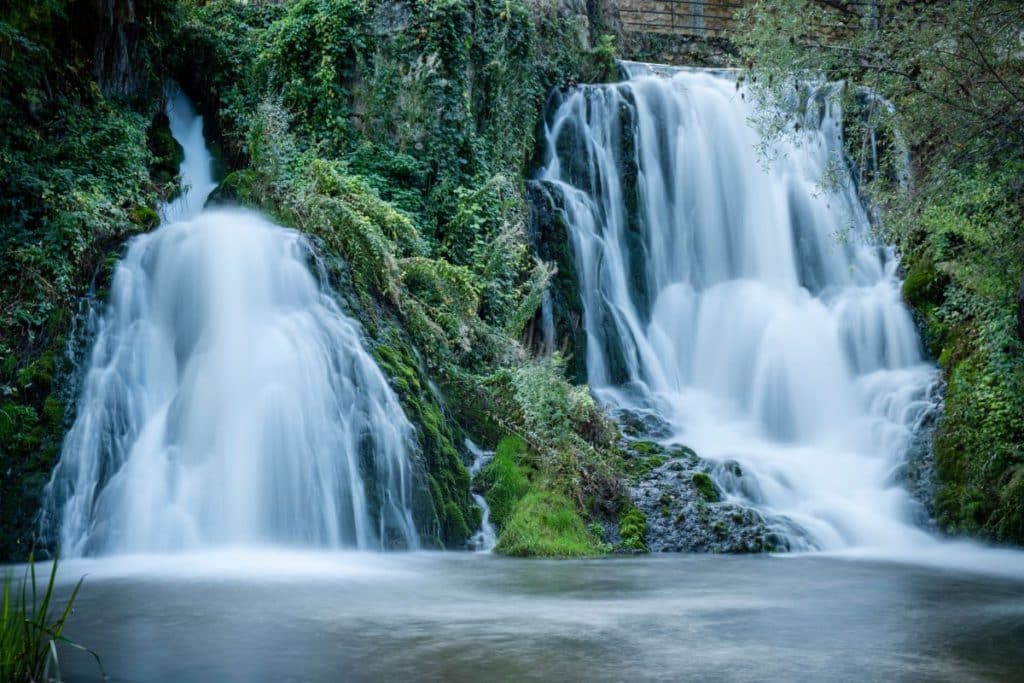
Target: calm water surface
(463, 617)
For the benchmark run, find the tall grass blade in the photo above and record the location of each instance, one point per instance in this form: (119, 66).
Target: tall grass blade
(29, 633)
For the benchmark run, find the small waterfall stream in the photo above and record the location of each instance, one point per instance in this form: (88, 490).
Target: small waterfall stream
(228, 399)
(750, 307)
(486, 537)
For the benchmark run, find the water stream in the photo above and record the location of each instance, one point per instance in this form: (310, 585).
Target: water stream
(743, 299)
(228, 400)
(486, 537)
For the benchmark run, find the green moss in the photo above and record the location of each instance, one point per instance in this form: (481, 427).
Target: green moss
(638, 467)
(646, 447)
(632, 527)
(546, 524)
(167, 154)
(979, 453)
(447, 479)
(505, 479)
(239, 187)
(144, 217)
(924, 284)
(455, 528)
(684, 452)
(706, 487)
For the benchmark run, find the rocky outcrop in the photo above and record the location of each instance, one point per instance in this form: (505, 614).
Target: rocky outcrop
(685, 508)
(561, 315)
(116, 32)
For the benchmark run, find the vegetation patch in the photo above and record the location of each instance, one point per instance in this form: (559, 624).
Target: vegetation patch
(632, 527)
(706, 487)
(547, 524)
(504, 481)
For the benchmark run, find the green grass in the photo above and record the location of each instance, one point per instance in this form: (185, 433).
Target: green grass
(30, 629)
(505, 479)
(546, 524)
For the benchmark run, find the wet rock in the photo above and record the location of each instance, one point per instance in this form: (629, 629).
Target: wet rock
(119, 51)
(642, 424)
(685, 509)
(918, 472)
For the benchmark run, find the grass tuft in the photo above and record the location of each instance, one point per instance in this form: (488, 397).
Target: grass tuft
(30, 629)
(546, 524)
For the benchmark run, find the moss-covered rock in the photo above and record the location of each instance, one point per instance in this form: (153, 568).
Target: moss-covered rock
(546, 524)
(443, 508)
(706, 487)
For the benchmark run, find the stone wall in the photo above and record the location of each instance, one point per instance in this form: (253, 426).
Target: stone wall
(678, 32)
(698, 18)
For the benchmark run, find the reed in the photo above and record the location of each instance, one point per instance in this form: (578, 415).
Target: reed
(30, 628)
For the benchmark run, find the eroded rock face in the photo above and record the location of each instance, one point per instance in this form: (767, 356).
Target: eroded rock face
(918, 473)
(119, 49)
(679, 493)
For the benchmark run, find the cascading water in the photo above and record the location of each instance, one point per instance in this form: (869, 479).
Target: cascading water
(228, 400)
(486, 537)
(747, 305)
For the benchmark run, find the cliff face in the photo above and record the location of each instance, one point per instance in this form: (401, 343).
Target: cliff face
(119, 54)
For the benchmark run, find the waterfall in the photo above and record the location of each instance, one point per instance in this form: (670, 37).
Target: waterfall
(228, 400)
(732, 290)
(486, 537)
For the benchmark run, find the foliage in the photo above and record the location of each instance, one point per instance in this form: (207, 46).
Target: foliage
(569, 436)
(632, 527)
(310, 57)
(945, 79)
(78, 175)
(546, 524)
(30, 629)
